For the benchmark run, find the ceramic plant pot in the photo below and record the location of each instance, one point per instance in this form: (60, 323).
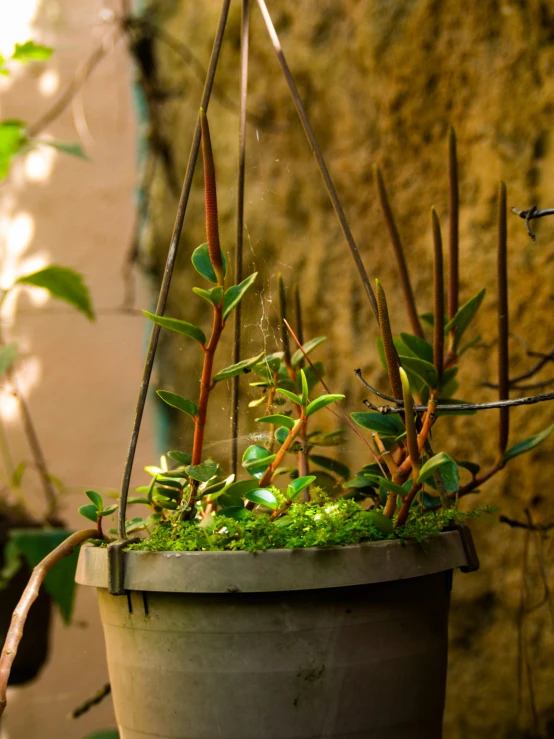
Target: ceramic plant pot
(336, 643)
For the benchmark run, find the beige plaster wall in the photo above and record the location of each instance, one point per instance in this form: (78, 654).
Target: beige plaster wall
(82, 380)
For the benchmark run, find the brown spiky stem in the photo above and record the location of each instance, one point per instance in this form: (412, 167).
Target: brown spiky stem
(283, 318)
(398, 249)
(453, 231)
(210, 196)
(15, 632)
(438, 292)
(503, 326)
(391, 355)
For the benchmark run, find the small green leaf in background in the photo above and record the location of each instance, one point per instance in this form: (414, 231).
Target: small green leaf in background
(202, 472)
(12, 563)
(281, 434)
(332, 465)
(202, 263)
(321, 402)
(448, 470)
(63, 284)
(8, 354)
(237, 369)
(256, 459)
(178, 401)
(95, 499)
(304, 386)
(212, 296)
(469, 466)
(419, 347)
(380, 521)
(12, 141)
(420, 368)
(262, 496)
(388, 485)
(181, 327)
(278, 419)
(313, 376)
(65, 147)
(31, 52)
(527, 444)
(308, 347)
(35, 545)
(89, 511)
(104, 734)
(464, 316)
(109, 510)
(386, 426)
(298, 485)
(18, 473)
(183, 458)
(235, 294)
(237, 489)
(290, 395)
(236, 512)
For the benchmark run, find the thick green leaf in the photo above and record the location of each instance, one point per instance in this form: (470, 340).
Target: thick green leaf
(308, 347)
(89, 511)
(388, 485)
(235, 294)
(8, 354)
(95, 499)
(333, 465)
(35, 545)
(238, 489)
(527, 444)
(281, 434)
(63, 284)
(31, 52)
(170, 482)
(212, 296)
(258, 401)
(183, 458)
(386, 426)
(290, 395)
(256, 459)
(464, 316)
(448, 470)
(237, 369)
(65, 147)
(165, 502)
(202, 472)
(422, 369)
(109, 510)
(236, 512)
(180, 327)
(321, 402)
(313, 375)
(12, 141)
(304, 385)
(419, 347)
(262, 496)
(169, 493)
(431, 501)
(202, 264)
(380, 521)
(138, 499)
(278, 419)
(359, 482)
(298, 485)
(178, 401)
(268, 366)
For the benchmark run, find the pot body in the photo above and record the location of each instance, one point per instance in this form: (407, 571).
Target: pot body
(358, 661)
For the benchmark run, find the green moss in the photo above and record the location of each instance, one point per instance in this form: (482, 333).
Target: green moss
(320, 523)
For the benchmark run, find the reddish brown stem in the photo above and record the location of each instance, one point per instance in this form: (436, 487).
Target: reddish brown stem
(438, 289)
(404, 511)
(268, 474)
(453, 250)
(15, 632)
(210, 198)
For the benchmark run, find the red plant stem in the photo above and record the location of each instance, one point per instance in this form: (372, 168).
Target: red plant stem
(453, 273)
(477, 481)
(268, 474)
(15, 632)
(210, 198)
(438, 289)
(406, 505)
(503, 327)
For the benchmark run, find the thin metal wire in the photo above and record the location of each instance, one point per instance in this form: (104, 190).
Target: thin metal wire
(235, 388)
(168, 272)
(318, 155)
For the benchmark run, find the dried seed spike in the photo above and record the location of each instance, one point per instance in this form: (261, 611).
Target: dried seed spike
(391, 355)
(411, 431)
(210, 197)
(454, 208)
(399, 255)
(283, 318)
(438, 292)
(503, 326)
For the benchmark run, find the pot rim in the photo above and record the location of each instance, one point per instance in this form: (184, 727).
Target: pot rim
(277, 570)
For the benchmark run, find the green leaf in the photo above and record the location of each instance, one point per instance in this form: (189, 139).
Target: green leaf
(104, 734)
(8, 354)
(237, 512)
(290, 395)
(166, 493)
(448, 384)
(235, 294)
(31, 52)
(256, 459)
(419, 347)
(332, 438)
(379, 520)
(304, 385)
(423, 370)
(35, 545)
(431, 501)
(332, 465)
(311, 376)
(95, 499)
(109, 510)
(136, 499)
(238, 489)
(18, 473)
(212, 296)
(203, 265)
(464, 316)
(308, 347)
(12, 141)
(527, 444)
(469, 466)
(89, 511)
(386, 426)
(237, 369)
(179, 402)
(278, 419)
(262, 496)
(325, 481)
(321, 402)
(388, 485)
(63, 284)
(448, 470)
(202, 472)
(183, 458)
(71, 148)
(298, 485)
(180, 327)
(281, 434)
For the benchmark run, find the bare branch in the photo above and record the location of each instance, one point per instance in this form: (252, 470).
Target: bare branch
(530, 214)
